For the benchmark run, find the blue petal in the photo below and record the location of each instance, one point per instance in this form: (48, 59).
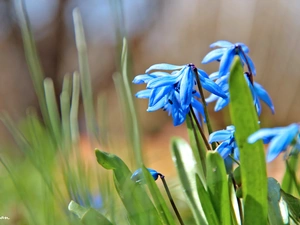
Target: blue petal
(159, 105)
(251, 65)
(178, 114)
(210, 86)
(281, 142)
(137, 175)
(244, 47)
(264, 133)
(226, 61)
(224, 149)
(214, 75)
(211, 98)
(213, 55)
(223, 44)
(220, 135)
(163, 81)
(202, 73)
(186, 87)
(198, 106)
(158, 93)
(221, 103)
(143, 93)
(143, 78)
(163, 66)
(264, 96)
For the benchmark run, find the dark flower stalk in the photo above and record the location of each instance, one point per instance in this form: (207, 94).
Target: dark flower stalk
(208, 124)
(162, 177)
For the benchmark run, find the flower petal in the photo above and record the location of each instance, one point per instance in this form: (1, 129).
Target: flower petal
(221, 103)
(264, 96)
(214, 75)
(210, 86)
(198, 106)
(244, 47)
(220, 135)
(264, 133)
(202, 73)
(213, 55)
(186, 87)
(163, 81)
(224, 149)
(159, 105)
(251, 64)
(143, 78)
(158, 93)
(226, 61)
(164, 66)
(211, 98)
(143, 93)
(223, 44)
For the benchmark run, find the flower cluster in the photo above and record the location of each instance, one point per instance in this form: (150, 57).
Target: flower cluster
(175, 92)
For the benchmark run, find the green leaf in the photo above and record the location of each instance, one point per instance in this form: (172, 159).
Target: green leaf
(86, 83)
(293, 205)
(139, 207)
(217, 186)
(289, 181)
(206, 203)
(274, 212)
(158, 199)
(185, 164)
(252, 158)
(88, 216)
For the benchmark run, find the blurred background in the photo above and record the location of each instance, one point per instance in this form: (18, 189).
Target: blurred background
(176, 32)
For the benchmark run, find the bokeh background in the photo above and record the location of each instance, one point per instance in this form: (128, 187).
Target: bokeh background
(175, 32)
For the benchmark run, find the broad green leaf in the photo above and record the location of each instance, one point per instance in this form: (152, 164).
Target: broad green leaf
(274, 212)
(293, 205)
(217, 186)
(252, 158)
(158, 199)
(186, 168)
(198, 146)
(139, 207)
(206, 203)
(88, 216)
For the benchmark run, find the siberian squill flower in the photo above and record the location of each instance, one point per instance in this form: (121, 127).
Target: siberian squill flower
(137, 175)
(278, 138)
(175, 92)
(258, 93)
(228, 145)
(225, 54)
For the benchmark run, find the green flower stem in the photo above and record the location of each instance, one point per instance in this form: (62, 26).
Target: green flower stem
(233, 159)
(208, 124)
(199, 128)
(162, 177)
(202, 156)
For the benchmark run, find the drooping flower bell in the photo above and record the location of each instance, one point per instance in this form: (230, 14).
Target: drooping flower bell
(225, 54)
(278, 138)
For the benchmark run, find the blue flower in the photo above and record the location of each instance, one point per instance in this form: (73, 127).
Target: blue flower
(137, 175)
(175, 92)
(257, 91)
(228, 145)
(279, 138)
(226, 54)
